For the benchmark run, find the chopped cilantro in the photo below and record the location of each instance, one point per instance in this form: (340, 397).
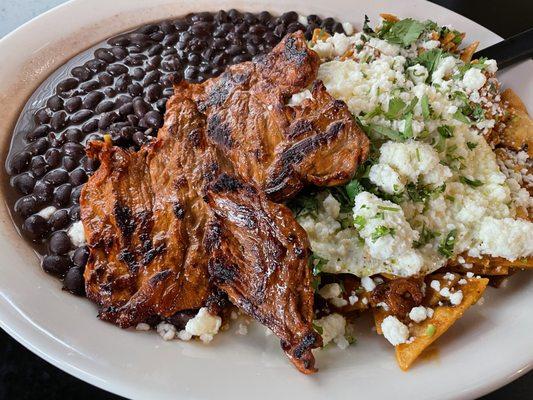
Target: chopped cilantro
(408, 127)
(404, 32)
(448, 243)
(430, 330)
(471, 145)
(385, 208)
(470, 182)
(360, 221)
(429, 59)
(478, 113)
(379, 131)
(459, 116)
(318, 328)
(418, 154)
(379, 215)
(381, 231)
(450, 198)
(366, 26)
(304, 204)
(422, 194)
(426, 235)
(353, 188)
(445, 131)
(396, 106)
(424, 103)
(317, 263)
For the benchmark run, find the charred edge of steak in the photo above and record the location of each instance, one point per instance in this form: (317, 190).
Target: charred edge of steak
(124, 219)
(179, 210)
(219, 132)
(213, 236)
(293, 53)
(226, 183)
(220, 271)
(295, 154)
(152, 253)
(299, 128)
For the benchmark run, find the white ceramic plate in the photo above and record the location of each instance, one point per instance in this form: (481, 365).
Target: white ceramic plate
(487, 348)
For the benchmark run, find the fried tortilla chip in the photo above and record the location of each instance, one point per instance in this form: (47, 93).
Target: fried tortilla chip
(426, 332)
(518, 133)
(468, 52)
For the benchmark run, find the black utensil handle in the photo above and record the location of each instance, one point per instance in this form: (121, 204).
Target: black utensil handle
(510, 51)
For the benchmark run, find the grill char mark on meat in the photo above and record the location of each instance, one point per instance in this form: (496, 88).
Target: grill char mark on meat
(258, 262)
(196, 218)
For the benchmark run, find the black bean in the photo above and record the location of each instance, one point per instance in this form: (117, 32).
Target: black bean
(167, 27)
(82, 73)
(53, 157)
(132, 119)
(140, 107)
(314, 19)
(55, 103)
(69, 163)
(241, 28)
(37, 133)
(197, 44)
(77, 177)
(57, 176)
(120, 40)
(135, 59)
(43, 191)
(155, 49)
(38, 147)
(138, 138)
(328, 23)
(59, 243)
(193, 59)
(135, 89)
(104, 106)
(62, 195)
(119, 52)
(74, 213)
(171, 39)
(138, 73)
(294, 27)
(74, 150)
(154, 119)
(104, 55)
(73, 104)
(151, 77)
(110, 92)
(89, 86)
(157, 36)
(80, 256)
(181, 25)
(201, 28)
(171, 64)
(90, 126)
(154, 63)
(169, 91)
(58, 120)
(74, 282)
(105, 78)
(122, 99)
(280, 31)
(75, 195)
(122, 82)
(107, 119)
(38, 166)
(66, 84)
(58, 220)
(153, 92)
(26, 205)
(161, 104)
(219, 59)
(234, 50)
(289, 17)
(56, 265)
(241, 58)
(73, 135)
(124, 110)
(81, 116)
(24, 183)
(42, 116)
(96, 65)
(117, 69)
(234, 15)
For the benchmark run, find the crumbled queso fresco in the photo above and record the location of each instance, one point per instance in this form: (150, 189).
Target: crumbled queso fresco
(432, 188)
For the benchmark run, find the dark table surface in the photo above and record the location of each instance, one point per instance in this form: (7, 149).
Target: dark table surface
(25, 376)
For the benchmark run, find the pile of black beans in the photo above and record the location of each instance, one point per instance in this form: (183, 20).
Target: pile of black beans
(122, 90)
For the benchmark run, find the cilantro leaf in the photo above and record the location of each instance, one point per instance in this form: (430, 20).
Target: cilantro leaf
(459, 116)
(405, 32)
(353, 188)
(445, 131)
(429, 59)
(381, 231)
(317, 263)
(408, 127)
(379, 131)
(424, 103)
(470, 182)
(396, 105)
(447, 244)
(471, 145)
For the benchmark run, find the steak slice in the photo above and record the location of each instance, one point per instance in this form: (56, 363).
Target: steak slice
(278, 147)
(205, 192)
(259, 257)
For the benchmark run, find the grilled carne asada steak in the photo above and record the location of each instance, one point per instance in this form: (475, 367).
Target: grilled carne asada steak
(196, 209)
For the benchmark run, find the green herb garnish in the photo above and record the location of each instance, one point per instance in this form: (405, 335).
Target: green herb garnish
(381, 231)
(424, 103)
(471, 145)
(470, 182)
(430, 330)
(448, 243)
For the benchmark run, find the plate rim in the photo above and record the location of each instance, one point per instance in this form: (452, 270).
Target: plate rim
(9, 323)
